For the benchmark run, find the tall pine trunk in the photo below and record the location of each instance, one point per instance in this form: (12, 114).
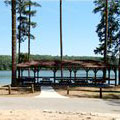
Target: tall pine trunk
(106, 39)
(106, 32)
(29, 36)
(61, 44)
(13, 42)
(119, 64)
(29, 31)
(19, 40)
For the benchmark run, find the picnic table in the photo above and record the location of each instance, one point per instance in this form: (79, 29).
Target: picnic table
(46, 80)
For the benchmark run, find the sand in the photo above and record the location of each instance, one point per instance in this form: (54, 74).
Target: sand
(53, 115)
(36, 114)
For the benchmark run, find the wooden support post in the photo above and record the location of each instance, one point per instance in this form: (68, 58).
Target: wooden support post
(9, 89)
(21, 76)
(18, 79)
(28, 72)
(119, 73)
(87, 74)
(75, 74)
(68, 89)
(95, 71)
(32, 88)
(54, 71)
(70, 75)
(37, 76)
(21, 73)
(34, 75)
(100, 92)
(109, 76)
(104, 75)
(115, 76)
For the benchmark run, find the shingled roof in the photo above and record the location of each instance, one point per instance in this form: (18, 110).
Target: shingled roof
(65, 63)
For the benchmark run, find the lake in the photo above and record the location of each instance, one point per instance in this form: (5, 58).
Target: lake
(5, 76)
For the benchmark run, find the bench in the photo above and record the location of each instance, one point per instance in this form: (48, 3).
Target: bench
(27, 80)
(46, 80)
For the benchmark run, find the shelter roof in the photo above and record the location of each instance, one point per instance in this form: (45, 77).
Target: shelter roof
(65, 63)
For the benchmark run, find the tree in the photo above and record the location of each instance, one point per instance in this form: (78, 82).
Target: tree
(21, 36)
(24, 23)
(29, 12)
(13, 42)
(21, 26)
(107, 30)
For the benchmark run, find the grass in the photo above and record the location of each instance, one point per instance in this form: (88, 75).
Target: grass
(19, 91)
(89, 92)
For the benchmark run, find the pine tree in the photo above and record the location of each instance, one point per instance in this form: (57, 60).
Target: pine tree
(113, 26)
(29, 12)
(23, 26)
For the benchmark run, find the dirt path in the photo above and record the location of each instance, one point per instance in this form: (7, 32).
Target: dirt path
(51, 101)
(49, 92)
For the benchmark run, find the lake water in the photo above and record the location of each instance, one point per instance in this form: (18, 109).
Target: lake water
(5, 76)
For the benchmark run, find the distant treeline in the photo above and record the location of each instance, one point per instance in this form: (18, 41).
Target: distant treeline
(49, 57)
(5, 61)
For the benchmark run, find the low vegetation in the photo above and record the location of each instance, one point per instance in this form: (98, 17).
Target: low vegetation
(5, 61)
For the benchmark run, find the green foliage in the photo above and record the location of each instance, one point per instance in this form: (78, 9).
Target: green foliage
(113, 26)
(23, 12)
(23, 57)
(29, 12)
(5, 62)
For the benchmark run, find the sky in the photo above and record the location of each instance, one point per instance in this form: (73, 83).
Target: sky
(79, 26)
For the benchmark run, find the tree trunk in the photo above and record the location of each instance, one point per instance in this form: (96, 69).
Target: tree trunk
(13, 42)
(29, 32)
(29, 36)
(61, 45)
(106, 32)
(119, 65)
(106, 39)
(19, 41)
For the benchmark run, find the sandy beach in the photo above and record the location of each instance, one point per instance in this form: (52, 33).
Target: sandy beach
(53, 115)
(50, 105)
